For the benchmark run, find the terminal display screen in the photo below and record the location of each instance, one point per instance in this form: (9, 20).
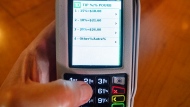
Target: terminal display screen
(95, 35)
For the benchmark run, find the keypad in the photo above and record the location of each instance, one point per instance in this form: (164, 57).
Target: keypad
(109, 89)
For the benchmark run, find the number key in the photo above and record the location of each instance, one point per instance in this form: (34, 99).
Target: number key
(89, 80)
(102, 90)
(102, 80)
(103, 100)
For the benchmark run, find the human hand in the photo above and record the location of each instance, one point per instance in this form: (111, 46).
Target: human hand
(29, 82)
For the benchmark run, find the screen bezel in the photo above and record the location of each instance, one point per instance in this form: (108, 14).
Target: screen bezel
(70, 40)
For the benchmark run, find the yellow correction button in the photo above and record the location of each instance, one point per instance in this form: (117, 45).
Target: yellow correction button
(118, 98)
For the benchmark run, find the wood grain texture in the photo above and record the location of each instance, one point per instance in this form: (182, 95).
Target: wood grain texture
(11, 42)
(164, 53)
(164, 57)
(20, 23)
(18, 7)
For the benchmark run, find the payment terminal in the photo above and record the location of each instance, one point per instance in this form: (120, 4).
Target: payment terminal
(97, 42)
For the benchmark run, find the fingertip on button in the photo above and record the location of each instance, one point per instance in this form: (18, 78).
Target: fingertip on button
(85, 91)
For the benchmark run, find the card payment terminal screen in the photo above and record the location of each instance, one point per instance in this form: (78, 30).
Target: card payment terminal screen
(97, 33)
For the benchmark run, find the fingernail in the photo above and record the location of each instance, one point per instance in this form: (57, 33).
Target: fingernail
(86, 92)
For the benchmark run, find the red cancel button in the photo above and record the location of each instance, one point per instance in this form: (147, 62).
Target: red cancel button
(118, 90)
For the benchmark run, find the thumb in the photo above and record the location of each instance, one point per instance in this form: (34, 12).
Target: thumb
(59, 93)
(70, 94)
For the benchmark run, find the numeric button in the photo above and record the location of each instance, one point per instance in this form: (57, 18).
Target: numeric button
(102, 100)
(90, 103)
(102, 90)
(102, 80)
(89, 80)
(72, 77)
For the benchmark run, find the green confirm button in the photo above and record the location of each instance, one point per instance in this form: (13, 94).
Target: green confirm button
(77, 4)
(118, 98)
(117, 105)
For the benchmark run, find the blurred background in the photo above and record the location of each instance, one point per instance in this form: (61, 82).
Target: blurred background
(164, 54)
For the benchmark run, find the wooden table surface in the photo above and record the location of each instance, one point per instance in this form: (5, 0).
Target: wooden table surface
(164, 54)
